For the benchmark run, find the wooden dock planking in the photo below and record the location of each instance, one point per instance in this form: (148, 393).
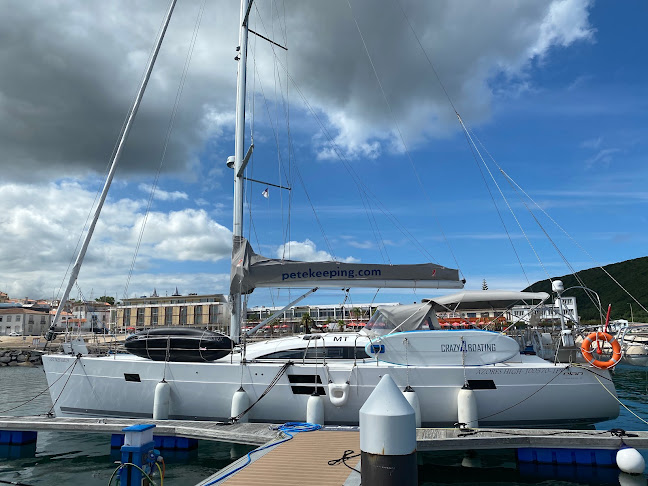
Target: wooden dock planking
(259, 434)
(302, 460)
(456, 439)
(241, 433)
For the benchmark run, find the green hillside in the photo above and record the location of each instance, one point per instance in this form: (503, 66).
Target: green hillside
(632, 274)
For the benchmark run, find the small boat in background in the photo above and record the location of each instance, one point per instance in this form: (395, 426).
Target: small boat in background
(179, 344)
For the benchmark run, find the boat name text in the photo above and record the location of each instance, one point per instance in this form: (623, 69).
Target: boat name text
(470, 348)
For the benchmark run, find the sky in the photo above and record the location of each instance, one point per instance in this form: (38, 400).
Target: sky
(357, 117)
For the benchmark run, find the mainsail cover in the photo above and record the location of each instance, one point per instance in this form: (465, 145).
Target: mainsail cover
(250, 271)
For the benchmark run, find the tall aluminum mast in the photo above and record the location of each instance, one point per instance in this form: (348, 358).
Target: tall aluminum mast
(239, 140)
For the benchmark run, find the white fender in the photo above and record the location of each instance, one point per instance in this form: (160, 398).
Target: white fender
(240, 402)
(467, 408)
(161, 401)
(315, 410)
(338, 394)
(630, 461)
(411, 396)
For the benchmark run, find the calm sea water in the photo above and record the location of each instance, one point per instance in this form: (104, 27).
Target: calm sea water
(77, 458)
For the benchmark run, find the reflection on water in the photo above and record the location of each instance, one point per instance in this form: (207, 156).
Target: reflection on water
(78, 458)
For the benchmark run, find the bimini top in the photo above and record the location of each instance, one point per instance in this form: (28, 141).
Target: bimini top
(484, 299)
(400, 318)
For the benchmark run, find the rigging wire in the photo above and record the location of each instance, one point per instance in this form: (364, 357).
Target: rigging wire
(401, 137)
(356, 177)
(517, 189)
(286, 108)
(106, 171)
(299, 177)
(474, 147)
(358, 181)
(499, 214)
(511, 181)
(167, 140)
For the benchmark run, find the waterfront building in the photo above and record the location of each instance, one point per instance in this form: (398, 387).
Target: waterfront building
(320, 314)
(549, 312)
(209, 311)
(92, 315)
(65, 320)
(24, 321)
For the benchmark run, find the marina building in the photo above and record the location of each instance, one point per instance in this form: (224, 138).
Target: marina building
(548, 313)
(90, 316)
(320, 314)
(23, 321)
(209, 311)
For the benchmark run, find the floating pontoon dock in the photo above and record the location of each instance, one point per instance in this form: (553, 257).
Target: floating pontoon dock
(317, 448)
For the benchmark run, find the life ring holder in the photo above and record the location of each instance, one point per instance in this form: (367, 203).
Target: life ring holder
(586, 349)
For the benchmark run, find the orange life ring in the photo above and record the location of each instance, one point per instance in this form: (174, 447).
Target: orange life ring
(586, 349)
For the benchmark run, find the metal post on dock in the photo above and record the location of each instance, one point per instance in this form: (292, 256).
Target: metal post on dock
(138, 443)
(388, 437)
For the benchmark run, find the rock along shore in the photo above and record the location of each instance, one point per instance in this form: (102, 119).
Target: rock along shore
(20, 357)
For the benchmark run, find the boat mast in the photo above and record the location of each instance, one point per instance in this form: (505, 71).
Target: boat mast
(239, 140)
(113, 167)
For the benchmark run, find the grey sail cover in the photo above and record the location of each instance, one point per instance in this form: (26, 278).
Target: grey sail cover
(250, 270)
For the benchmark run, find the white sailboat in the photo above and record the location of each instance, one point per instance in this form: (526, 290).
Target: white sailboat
(327, 377)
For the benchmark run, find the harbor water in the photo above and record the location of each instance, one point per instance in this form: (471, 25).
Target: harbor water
(79, 458)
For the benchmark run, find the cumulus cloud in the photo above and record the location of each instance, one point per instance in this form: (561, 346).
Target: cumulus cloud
(41, 235)
(306, 251)
(70, 72)
(185, 235)
(161, 194)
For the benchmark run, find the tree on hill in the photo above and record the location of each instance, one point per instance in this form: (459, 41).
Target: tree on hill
(106, 298)
(631, 274)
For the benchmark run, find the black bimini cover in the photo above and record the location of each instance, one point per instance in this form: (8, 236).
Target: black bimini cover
(179, 344)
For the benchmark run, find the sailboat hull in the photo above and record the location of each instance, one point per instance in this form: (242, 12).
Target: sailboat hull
(529, 393)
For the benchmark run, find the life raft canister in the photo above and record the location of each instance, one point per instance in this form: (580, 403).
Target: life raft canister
(586, 349)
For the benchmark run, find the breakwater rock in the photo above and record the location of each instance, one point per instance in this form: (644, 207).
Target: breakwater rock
(20, 357)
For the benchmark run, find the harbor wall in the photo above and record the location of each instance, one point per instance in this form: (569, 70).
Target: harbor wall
(20, 357)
